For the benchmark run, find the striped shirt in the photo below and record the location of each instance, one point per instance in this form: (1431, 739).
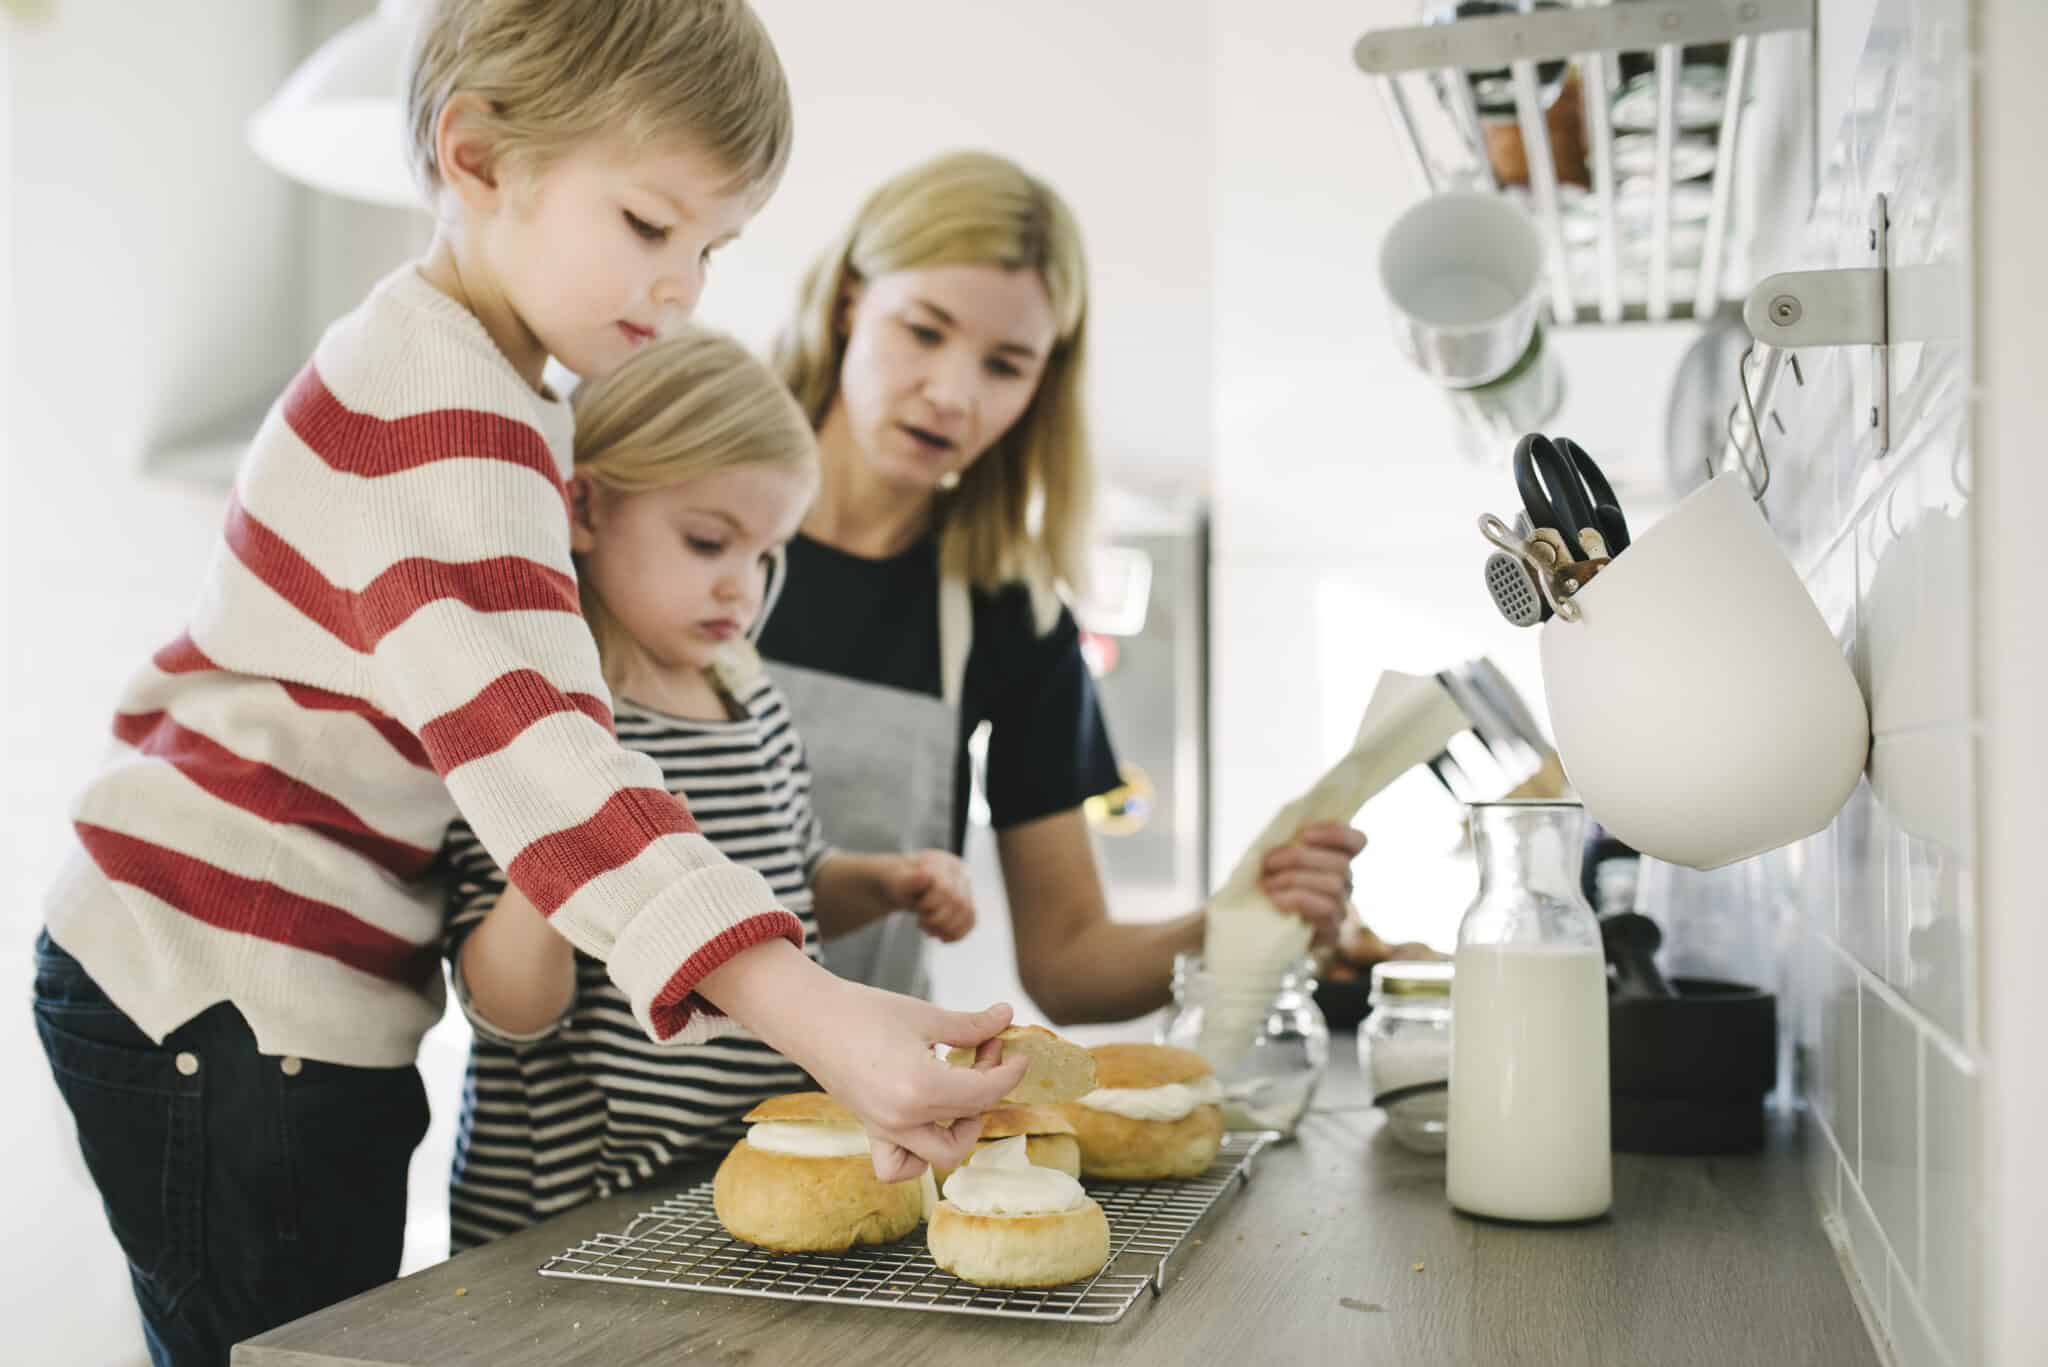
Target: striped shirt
(588, 1106)
(388, 637)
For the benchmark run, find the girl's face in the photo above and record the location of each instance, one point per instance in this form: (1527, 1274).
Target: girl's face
(683, 568)
(940, 363)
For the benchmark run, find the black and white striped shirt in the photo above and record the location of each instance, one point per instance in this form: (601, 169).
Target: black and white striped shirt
(591, 1106)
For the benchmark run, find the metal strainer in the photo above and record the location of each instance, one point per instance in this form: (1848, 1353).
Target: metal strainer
(1514, 574)
(1514, 590)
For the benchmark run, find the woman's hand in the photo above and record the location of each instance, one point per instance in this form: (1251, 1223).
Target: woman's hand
(1311, 878)
(935, 885)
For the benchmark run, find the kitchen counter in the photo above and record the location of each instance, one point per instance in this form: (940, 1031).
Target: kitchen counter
(1340, 1250)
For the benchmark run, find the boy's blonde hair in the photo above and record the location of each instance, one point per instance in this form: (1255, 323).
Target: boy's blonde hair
(552, 73)
(1023, 510)
(681, 408)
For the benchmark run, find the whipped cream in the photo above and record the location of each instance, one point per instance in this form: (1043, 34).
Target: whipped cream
(808, 1139)
(1000, 1179)
(1171, 1102)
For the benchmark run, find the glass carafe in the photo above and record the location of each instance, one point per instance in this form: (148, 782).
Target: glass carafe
(1529, 1130)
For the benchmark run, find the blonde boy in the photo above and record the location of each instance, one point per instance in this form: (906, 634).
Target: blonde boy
(240, 957)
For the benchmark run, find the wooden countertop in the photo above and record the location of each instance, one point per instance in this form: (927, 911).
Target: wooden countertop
(1708, 1261)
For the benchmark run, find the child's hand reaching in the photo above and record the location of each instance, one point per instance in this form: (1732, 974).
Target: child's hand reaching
(934, 884)
(873, 1051)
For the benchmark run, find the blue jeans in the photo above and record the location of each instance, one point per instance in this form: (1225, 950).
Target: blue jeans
(244, 1195)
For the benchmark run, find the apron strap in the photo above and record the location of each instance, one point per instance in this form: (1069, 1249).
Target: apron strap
(956, 637)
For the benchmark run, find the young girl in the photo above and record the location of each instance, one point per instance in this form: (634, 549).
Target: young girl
(693, 469)
(241, 952)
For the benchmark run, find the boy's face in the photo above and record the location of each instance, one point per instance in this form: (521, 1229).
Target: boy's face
(684, 568)
(606, 247)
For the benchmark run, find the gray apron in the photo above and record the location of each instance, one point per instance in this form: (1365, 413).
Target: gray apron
(882, 769)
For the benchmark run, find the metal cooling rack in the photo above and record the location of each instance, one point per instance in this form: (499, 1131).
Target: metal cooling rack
(679, 1245)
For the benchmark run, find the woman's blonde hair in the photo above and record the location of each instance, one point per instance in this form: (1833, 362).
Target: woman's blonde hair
(1023, 510)
(551, 74)
(682, 407)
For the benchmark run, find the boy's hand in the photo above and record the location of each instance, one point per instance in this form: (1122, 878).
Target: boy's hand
(877, 1060)
(935, 885)
(873, 1050)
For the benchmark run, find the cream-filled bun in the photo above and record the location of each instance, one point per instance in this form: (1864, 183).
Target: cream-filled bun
(1155, 1112)
(1059, 1070)
(1005, 1222)
(1048, 1135)
(801, 1181)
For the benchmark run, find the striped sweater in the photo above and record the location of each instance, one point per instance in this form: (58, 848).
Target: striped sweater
(388, 637)
(588, 1107)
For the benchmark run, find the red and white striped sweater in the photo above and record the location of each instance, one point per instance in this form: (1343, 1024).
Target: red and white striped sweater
(388, 634)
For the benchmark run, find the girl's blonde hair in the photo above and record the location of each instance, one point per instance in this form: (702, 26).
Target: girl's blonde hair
(683, 407)
(551, 74)
(1023, 510)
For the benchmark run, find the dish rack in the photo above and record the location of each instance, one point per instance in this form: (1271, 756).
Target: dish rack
(678, 1244)
(1441, 59)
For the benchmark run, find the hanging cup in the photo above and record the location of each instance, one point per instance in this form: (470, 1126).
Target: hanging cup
(1464, 273)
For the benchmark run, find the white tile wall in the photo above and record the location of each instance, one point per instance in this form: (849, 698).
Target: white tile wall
(1952, 1214)
(1883, 1002)
(1890, 1166)
(1883, 1005)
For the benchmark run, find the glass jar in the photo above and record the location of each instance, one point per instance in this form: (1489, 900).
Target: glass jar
(1529, 1131)
(1404, 1049)
(1268, 1047)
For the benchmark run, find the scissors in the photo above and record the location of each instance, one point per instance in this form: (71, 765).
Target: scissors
(1552, 493)
(1607, 514)
(1563, 489)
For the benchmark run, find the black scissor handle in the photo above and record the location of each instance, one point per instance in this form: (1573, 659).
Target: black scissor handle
(1551, 491)
(1607, 512)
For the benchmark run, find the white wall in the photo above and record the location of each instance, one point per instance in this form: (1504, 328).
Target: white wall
(1109, 103)
(2011, 299)
(1345, 542)
(141, 232)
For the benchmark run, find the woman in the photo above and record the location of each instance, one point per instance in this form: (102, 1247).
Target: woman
(938, 349)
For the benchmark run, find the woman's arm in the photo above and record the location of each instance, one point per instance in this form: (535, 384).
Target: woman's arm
(1081, 967)
(519, 972)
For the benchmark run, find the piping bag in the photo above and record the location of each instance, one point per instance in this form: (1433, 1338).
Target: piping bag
(1248, 944)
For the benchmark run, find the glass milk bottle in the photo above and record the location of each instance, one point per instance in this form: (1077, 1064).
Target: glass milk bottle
(1529, 1132)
